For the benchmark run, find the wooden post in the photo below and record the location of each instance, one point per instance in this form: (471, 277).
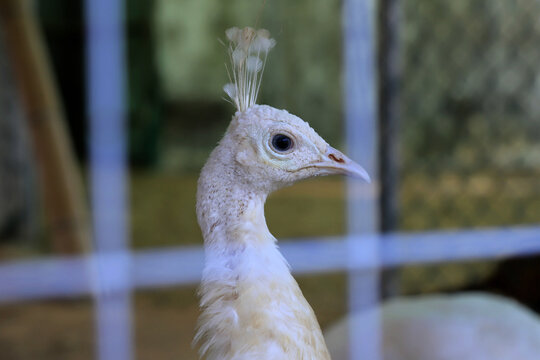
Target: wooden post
(60, 179)
(389, 19)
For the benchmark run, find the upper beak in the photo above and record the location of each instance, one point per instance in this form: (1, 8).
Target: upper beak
(336, 163)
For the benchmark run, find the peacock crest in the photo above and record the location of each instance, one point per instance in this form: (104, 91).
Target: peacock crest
(248, 49)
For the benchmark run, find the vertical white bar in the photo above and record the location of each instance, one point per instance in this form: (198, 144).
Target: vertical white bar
(107, 115)
(361, 137)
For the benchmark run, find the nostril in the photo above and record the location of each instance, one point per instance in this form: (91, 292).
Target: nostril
(336, 159)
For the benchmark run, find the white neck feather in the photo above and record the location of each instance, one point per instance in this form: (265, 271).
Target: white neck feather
(252, 308)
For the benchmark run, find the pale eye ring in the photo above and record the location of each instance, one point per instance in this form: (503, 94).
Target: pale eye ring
(282, 143)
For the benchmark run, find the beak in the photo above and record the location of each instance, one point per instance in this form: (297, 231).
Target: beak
(335, 162)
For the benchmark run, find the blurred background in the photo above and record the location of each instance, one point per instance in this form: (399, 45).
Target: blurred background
(459, 107)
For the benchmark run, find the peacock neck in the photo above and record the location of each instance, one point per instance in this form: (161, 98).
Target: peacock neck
(230, 216)
(230, 210)
(250, 302)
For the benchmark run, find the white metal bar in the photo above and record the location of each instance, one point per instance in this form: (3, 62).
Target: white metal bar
(44, 278)
(361, 136)
(106, 95)
(56, 277)
(166, 267)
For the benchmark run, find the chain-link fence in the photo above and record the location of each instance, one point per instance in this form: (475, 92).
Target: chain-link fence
(469, 100)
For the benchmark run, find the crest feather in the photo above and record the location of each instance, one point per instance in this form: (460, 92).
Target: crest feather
(248, 49)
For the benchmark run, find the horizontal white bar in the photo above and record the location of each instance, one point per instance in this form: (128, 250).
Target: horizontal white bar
(56, 277)
(168, 266)
(44, 278)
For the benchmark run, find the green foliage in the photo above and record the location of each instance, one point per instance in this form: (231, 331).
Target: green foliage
(144, 95)
(303, 72)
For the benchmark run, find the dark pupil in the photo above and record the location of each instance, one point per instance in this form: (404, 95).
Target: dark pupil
(282, 142)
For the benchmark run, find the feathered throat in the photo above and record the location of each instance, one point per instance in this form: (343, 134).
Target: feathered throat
(248, 49)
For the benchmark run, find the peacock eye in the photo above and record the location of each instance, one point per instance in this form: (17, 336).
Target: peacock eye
(282, 143)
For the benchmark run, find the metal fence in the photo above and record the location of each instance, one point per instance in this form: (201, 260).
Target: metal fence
(113, 272)
(468, 105)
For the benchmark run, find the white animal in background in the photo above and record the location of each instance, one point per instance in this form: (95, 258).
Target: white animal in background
(252, 308)
(469, 326)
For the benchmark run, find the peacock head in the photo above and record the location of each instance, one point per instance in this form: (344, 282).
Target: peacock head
(272, 147)
(275, 148)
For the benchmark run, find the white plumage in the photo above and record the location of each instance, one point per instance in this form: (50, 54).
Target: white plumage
(246, 46)
(472, 326)
(252, 308)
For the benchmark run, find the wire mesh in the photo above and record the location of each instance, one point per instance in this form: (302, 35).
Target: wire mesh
(469, 128)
